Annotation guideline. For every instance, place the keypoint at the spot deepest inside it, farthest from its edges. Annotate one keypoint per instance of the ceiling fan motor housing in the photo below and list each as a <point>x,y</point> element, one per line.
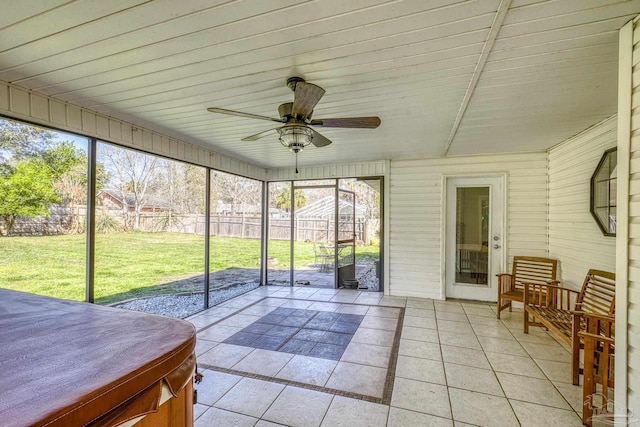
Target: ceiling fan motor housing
<point>285,111</point>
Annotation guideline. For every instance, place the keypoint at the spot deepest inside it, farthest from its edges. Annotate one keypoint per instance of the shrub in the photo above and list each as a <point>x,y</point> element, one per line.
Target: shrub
<point>105,223</point>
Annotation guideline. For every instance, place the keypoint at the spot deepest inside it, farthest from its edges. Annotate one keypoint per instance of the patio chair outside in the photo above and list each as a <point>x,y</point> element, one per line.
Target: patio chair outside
<point>323,257</point>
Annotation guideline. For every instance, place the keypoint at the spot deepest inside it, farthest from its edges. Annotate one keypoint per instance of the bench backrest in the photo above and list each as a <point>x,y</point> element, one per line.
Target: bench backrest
<point>598,293</point>
<point>533,270</point>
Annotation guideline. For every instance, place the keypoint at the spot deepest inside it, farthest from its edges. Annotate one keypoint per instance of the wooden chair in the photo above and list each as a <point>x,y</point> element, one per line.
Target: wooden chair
<point>599,349</point>
<point>525,269</point>
<point>562,310</point>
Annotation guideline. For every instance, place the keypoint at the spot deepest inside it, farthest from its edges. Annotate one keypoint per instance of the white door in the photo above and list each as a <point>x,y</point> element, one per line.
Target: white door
<point>474,237</point>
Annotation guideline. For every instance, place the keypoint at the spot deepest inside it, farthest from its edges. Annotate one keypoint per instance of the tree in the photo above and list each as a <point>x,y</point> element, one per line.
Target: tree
<point>182,185</point>
<point>62,157</point>
<point>282,198</point>
<point>37,171</point>
<point>135,173</point>
<point>19,141</point>
<point>27,191</point>
<point>235,190</point>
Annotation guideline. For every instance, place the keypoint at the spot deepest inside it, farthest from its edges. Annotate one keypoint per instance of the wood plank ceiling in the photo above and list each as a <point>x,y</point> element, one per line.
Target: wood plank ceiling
<point>446,77</point>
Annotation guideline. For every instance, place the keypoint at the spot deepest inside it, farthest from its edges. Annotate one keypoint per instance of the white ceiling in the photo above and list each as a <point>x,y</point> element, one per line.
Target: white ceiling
<point>520,75</point>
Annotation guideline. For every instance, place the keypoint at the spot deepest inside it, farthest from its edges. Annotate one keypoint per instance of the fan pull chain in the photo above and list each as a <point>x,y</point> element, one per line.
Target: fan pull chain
<point>296,162</point>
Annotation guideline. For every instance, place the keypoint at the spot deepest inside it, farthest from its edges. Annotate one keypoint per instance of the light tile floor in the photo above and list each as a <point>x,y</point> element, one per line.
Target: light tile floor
<point>455,365</point>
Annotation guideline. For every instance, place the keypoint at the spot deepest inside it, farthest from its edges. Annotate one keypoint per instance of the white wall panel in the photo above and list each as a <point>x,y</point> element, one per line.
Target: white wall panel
<point>574,237</point>
<point>416,214</point>
<point>351,170</point>
<point>20,104</point>
<point>627,392</point>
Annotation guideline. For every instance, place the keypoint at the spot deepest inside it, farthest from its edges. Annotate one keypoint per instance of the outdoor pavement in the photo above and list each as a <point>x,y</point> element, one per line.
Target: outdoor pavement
<point>388,361</point>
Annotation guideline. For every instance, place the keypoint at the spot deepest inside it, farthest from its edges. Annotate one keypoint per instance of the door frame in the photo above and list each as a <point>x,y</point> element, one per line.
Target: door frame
<point>443,224</point>
<point>383,254</point>
<point>351,269</point>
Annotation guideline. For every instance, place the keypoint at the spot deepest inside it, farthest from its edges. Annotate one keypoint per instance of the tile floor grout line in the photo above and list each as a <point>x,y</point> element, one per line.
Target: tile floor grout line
<point>540,367</point>
<point>387,390</point>
<point>327,411</point>
<point>230,315</point>
<point>552,383</point>
<point>446,381</point>
<point>496,375</point>
<point>543,373</point>
<point>492,370</point>
<point>287,382</point>
<point>270,405</point>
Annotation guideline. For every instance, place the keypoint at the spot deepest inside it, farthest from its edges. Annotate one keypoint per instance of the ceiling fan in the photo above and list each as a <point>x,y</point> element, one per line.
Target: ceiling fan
<point>295,117</point>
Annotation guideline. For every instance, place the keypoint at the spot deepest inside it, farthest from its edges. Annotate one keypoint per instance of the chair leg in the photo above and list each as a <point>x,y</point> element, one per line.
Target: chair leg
<point>526,321</point>
<point>575,363</point>
<point>499,308</point>
<point>510,302</point>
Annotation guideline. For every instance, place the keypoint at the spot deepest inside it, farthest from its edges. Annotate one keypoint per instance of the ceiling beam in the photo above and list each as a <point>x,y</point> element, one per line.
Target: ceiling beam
<point>501,13</point>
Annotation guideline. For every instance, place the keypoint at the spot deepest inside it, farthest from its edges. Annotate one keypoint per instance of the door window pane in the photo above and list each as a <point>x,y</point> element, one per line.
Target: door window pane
<point>472,235</point>
<point>43,176</point>
<point>367,229</point>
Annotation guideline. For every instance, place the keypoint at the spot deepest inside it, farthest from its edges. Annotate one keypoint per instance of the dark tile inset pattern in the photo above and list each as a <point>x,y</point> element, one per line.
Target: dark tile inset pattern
<point>306,332</point>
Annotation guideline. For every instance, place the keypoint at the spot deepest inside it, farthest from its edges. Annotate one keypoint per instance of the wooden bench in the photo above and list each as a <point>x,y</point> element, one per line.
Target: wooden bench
<point>599,350</point>
<point>562,310</point>
<point>525,269</point>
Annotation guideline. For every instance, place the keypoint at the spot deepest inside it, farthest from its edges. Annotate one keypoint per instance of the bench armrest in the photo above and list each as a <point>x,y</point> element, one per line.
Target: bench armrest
<point>592,323</point>
<point>504,274</point>
<point>549,296</point>
<point>602,317</point>
<point>505,282</point>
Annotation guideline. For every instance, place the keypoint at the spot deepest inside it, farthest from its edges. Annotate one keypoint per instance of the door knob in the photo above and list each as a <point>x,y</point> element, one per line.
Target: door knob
<point>496,238</point>
<point>496,246</point>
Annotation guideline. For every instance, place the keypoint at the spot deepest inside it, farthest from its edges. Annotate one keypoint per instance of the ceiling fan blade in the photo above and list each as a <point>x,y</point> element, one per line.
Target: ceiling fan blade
<point>241,114</point>
<point>306,96</point>
<point>349,122</point>
<point>318,140</point>
<point>257,136</point>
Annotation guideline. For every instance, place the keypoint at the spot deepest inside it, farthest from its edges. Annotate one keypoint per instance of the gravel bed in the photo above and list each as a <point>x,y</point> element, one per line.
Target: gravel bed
<point>368,278</point>
<point>181,305</point>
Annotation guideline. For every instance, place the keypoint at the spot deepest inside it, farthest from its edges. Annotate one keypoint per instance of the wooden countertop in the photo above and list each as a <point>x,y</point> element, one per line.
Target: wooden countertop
<point>70,363</point>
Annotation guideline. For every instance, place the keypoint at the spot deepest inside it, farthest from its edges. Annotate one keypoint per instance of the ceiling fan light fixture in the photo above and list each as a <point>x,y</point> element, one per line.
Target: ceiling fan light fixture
<point>295,137</point>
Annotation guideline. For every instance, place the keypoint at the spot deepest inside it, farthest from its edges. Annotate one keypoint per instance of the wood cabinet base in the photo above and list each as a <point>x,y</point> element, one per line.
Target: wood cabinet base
<point>175,412</point>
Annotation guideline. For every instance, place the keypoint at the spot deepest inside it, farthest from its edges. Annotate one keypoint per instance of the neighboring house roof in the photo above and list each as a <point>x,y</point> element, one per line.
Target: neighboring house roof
<point>325,208</point>
<point>128,198</point>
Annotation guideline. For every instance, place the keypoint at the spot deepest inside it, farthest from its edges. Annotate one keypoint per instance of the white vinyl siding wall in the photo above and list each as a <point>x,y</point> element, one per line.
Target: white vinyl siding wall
<point>628,269</point>
<point>415,212</point>
<point>350,170</point>
<point>21,104</point>
<point>574,237</point>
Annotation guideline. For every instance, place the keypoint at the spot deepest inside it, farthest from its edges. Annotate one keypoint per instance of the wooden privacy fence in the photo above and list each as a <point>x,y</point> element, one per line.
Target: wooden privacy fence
<point>69,220</point>
<point>314,230</point>
<point>62,220</point>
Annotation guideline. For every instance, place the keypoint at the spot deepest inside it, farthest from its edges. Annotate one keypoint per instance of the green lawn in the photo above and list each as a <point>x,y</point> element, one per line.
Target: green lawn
<point>130,265</point>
